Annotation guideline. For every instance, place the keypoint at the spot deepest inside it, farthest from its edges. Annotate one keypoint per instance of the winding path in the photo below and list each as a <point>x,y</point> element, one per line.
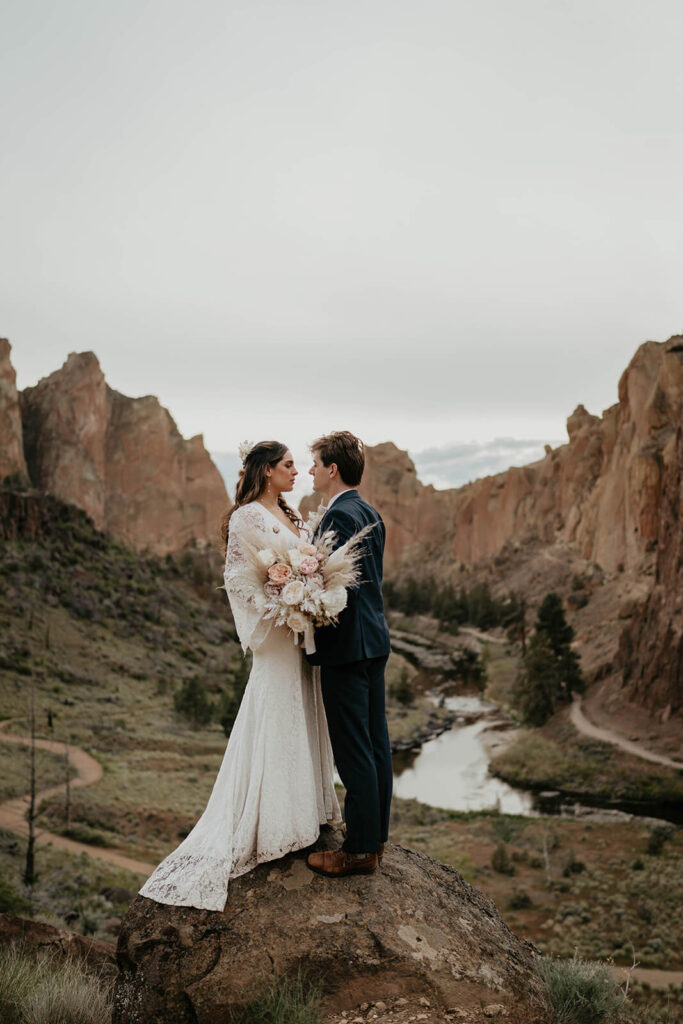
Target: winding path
<point>88,770</point>
<point>580,722</point>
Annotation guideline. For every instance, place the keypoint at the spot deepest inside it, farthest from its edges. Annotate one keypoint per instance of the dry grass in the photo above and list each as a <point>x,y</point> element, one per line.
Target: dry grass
<point>47,990</point>
<point>14,769</point>
<point>579,991</point>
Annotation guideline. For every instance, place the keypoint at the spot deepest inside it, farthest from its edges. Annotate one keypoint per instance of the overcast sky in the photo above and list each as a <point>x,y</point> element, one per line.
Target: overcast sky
<point>439,223</point>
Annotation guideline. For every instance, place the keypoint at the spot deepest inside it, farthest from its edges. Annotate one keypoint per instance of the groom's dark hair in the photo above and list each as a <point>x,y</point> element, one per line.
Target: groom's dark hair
<point>344,449</point>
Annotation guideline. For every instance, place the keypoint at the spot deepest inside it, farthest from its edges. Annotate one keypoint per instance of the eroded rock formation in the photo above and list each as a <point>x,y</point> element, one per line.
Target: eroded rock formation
<point>11,439</point>
<point>603,491</point>
<point>415,927</point>
<point>651,646</point>
<point>120,459</point>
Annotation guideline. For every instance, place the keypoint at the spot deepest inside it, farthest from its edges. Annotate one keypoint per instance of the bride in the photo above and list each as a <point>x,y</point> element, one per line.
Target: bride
<point>275,786</point>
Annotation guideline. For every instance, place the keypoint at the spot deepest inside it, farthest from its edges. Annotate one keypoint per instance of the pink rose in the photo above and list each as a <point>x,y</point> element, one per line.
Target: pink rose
<point>271,589</point>
<point>279,574</point>
<point>308,549</point>
<point>309,565</point>
<point>293,592</point>
<point>315,582</point>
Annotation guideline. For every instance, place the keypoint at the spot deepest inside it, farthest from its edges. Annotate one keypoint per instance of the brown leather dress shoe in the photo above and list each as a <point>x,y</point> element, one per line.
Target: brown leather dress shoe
<point>337,863</point>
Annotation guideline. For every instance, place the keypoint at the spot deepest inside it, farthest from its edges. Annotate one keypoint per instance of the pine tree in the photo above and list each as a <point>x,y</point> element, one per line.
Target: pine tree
<point>536,688</point>
<point>551,621</point>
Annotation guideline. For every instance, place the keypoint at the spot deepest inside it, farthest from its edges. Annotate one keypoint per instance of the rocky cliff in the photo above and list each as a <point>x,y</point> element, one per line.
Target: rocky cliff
<point>11,439</point>
<point>650,655</point>
<point>603,491</point>
<point>120,459</point>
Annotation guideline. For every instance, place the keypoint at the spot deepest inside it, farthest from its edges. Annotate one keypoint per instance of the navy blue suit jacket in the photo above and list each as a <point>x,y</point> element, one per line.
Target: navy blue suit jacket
<point>362,630</point>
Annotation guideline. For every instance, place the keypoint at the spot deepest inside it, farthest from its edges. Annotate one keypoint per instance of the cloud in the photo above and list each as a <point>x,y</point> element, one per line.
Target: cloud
<point>448,466</point>
<point>456,464</point>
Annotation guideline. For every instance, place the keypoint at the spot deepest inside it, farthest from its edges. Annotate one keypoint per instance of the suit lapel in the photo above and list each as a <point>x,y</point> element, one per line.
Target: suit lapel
<point>343,497</point>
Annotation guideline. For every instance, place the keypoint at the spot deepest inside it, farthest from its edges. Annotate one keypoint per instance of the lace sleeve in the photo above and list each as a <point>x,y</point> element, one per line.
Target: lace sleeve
<point>251,627</point>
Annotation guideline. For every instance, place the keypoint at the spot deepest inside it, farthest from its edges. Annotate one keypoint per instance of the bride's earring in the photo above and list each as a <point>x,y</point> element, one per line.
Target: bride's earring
<point>268,488</point>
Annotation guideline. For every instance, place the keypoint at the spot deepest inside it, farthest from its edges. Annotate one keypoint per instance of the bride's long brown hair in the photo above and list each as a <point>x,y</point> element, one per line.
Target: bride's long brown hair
<point>252,482</point>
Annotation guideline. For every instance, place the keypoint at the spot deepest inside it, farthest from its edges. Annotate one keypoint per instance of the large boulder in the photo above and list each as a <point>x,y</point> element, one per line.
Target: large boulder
<point>413,928</point>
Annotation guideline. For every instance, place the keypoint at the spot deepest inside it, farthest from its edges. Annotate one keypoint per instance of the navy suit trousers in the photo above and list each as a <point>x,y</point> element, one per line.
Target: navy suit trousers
<point>353,695</point>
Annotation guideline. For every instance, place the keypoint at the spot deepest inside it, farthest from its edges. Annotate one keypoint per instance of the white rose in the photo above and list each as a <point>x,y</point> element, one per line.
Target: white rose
<point>296,557</point>
<point>334,600</point>
<point>266,557</point>
<point>296,622</point>
<point>293,592</point>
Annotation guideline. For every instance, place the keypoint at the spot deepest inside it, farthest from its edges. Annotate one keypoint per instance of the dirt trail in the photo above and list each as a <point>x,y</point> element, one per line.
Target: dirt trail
<point>580,722</point>
<point>13,812</point>
<point>479,635</point>
<point>653,976</point>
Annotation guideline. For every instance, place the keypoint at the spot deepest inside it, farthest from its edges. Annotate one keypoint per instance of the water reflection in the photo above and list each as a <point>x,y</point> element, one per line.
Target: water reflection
<point>451,771</point>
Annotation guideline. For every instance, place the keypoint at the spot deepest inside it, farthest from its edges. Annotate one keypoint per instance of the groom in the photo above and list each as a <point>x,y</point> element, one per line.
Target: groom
<point>352,656</point>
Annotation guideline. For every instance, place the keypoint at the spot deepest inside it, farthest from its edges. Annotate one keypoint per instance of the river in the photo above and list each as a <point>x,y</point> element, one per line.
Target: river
<point>452,771</point>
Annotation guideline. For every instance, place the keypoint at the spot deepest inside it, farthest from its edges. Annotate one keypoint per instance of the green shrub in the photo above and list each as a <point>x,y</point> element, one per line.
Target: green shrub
<point>573,866</point>
<point>504,827</point>
<point>192,702</point>
<point>84,834</point>
<point>401,691</point>
<point>47,990</point>
<point>520,900</point>
<point>285,1001</point>
<point>659,835</point>
<point>579,991</point>
<point>500,860</point>
<point>11,901</point>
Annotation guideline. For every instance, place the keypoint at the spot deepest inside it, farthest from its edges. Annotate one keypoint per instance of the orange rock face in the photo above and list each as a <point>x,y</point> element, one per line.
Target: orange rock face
<point>602,491</point>
<point>651,646</point>
<point>11,439</point>
<point>120,459</point>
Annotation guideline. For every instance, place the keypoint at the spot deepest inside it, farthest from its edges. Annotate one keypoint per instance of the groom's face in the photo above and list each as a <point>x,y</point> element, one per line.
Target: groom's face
<point>322,475</point>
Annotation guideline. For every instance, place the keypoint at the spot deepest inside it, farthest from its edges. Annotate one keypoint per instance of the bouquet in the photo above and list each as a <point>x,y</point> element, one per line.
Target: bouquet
<point>303,585</point>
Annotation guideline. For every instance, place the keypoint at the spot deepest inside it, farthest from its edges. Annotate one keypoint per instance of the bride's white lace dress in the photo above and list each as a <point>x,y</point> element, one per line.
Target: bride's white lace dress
<point>275,786</point>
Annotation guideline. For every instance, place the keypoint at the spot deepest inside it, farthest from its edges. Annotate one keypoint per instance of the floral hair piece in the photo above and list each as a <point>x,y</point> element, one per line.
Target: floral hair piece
<point>244,449</point>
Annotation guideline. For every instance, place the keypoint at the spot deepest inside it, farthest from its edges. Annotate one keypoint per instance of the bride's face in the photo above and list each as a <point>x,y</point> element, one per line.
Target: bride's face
<point>282,475</point>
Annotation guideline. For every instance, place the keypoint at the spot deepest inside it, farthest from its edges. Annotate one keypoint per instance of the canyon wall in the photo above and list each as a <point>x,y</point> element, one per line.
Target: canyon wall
<point>603,491</point>
<point>650,655</point>
<point>11,439</point>
<point>120,459</point>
